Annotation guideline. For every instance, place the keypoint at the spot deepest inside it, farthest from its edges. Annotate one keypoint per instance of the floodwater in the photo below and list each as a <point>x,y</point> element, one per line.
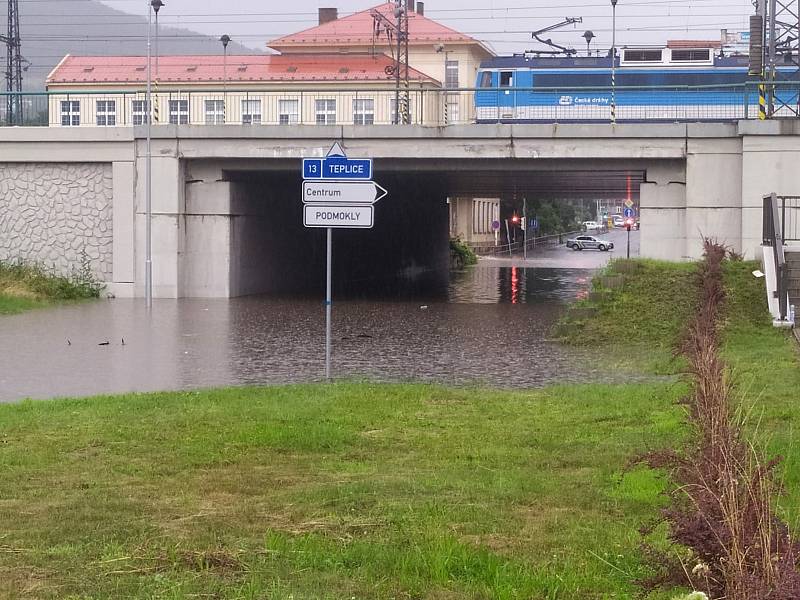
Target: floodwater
<point>492,328</point>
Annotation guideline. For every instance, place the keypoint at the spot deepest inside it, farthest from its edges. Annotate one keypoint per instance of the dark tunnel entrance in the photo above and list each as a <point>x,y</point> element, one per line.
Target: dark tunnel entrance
<point>406,254</point>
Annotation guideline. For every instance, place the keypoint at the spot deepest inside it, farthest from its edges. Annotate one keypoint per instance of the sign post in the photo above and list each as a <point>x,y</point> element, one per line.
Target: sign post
<point>328,300</point>
<point>337,193</point>
<point>524,229</point>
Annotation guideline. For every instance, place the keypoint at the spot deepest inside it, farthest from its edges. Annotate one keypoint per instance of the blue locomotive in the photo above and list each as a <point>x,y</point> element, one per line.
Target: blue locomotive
<point>652,84</point>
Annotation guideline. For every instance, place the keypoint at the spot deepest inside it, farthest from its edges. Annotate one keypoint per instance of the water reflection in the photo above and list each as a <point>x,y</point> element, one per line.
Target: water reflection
<point>492,328</point>
<point>517,285</point>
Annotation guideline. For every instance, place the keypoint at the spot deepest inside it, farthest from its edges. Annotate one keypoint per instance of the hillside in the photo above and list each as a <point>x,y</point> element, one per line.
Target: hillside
<point>52,28</point>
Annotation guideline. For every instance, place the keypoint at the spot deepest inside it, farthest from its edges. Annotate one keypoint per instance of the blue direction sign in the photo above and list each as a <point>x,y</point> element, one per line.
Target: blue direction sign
<point>628,212</point>
<point>337,166</point>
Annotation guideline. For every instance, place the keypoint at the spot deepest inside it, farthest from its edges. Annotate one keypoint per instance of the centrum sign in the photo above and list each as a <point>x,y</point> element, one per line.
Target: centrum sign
<point>365,192</point>
<point>338,216</point>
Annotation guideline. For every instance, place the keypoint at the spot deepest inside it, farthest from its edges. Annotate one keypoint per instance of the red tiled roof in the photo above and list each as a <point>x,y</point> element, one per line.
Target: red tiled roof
<point>356,30</point>
<point>693,44</point>
<point>240,69</point>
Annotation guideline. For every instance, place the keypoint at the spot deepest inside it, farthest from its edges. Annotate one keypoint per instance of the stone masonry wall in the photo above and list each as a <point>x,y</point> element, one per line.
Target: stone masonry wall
<point>51,213</point>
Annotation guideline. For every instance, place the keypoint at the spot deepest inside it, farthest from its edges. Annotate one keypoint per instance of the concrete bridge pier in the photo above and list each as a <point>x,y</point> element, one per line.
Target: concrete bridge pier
<point>770,152</point>
<point>206,261</point>
<point>168,222</point>
<point>662,199</point>
<point>713,193</point>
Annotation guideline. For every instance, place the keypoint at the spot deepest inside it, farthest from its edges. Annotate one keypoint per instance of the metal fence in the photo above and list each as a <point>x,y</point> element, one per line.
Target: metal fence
<point>519,247</point>
<point>433,107</point>
<point>788,222</point>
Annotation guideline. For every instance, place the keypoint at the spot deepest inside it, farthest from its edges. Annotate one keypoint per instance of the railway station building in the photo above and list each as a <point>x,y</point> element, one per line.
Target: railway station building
<point>338,72</point>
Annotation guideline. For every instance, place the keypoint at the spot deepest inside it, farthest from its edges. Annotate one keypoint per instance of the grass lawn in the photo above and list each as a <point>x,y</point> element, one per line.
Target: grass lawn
<point>10,305</point>
<point>372,491</point>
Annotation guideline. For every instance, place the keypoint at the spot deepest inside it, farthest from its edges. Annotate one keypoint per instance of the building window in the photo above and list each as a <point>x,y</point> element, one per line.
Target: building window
<point>364,111</point>
<point>70,113</point>
<point>139,112</point>
<point>179,112</point>
<point>251,112</point>
<point>393,111</point>
<point>288,112</point>
<point>451,74</point>
<point>506,79</point>
<point>215,112</point>
<point>486,79</point>
<point>452,106</point>
<point>107,113</point>
<point>326,112</point>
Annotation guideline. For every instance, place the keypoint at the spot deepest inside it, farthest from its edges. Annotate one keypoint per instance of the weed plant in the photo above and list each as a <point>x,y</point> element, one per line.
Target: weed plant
<point>24,285</point>
<point>463,253</point>
<point>723,505</point>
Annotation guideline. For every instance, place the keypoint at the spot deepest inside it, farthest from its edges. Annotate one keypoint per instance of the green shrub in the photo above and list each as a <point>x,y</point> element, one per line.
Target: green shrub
<point>18,278</point>
<point>462,251</point>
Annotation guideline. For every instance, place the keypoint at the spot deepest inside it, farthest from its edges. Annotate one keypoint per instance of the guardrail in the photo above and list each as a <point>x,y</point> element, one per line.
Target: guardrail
<point>375,106</point>
<point>771,236</point>
<point>789,219</point>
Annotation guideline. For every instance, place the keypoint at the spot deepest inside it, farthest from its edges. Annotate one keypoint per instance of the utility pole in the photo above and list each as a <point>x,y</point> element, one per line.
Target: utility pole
<point>613,61</point>
<point>401,78</point>
<point>397,38</point>
<point>13,66</point>
<point>774,41</point>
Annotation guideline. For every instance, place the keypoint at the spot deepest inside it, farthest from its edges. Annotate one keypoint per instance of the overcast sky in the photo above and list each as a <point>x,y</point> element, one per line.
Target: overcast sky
<point>504,24</point>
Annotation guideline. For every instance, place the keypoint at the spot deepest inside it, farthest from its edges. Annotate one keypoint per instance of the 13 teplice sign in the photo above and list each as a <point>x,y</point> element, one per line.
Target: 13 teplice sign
<point>337,192</point>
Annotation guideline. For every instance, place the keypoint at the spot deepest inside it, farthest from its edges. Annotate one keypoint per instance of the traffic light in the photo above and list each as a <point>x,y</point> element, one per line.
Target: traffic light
<point>515,219</point>
<point>628,224</point>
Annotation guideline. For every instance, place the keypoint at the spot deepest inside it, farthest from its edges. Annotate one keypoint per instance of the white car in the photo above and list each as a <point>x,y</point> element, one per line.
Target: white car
<point>589,241</point>
<point>589,225</point>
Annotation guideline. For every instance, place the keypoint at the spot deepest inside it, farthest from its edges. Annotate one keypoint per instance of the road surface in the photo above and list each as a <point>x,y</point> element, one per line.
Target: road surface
<point>562,257</point>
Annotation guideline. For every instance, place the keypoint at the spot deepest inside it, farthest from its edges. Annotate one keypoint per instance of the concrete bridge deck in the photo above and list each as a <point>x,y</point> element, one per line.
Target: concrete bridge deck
<point>226,198</point>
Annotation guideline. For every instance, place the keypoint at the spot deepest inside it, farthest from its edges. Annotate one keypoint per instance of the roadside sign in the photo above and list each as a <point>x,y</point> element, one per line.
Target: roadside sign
<point>495,225</point>
<point>337,193</point>
<point>629,203</point>
<point>353,192</point>
<point>628,212</point>
<point>337,167</point>
<point>534,223</point>
<point>340,216</point>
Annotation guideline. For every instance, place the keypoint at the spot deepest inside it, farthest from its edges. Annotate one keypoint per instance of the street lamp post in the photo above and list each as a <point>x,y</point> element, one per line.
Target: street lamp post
<point>152,6</point>
<point>156,4</point>
<point>588,36</point>
<point>613,61</point>
<point>225,39</point>
<point>148,260</point>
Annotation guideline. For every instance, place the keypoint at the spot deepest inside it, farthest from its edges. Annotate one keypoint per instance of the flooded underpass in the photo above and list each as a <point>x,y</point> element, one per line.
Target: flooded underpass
<point>492,327</point>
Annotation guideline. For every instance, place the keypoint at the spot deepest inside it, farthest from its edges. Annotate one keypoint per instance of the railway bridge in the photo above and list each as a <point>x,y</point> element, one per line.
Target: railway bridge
<point>227,213</point>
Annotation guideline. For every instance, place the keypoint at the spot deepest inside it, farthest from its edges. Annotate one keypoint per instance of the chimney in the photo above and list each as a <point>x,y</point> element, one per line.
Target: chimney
<point>411,7</point>
<point>326,15</point>
<point>421,8</point>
